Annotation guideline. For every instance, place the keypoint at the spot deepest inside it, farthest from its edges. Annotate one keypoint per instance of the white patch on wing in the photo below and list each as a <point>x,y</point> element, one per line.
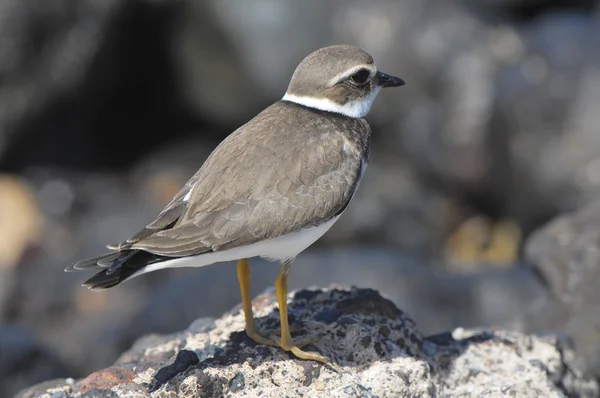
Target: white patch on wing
<point>187,195</point>
<point>348,145</point>
<point>278,249</point>
<point>358,108</point>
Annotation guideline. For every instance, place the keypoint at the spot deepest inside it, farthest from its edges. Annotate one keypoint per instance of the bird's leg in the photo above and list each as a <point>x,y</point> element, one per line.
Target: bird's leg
<point>286,342</point>
<point>266,337</point>
<point>258,336</point>
<point>243,270</point>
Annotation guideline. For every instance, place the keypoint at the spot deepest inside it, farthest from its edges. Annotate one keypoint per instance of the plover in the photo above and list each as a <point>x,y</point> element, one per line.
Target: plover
<point>270,189</point>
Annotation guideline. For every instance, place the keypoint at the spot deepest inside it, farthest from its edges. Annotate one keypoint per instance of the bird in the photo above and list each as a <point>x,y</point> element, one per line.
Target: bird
<point>270,189</point>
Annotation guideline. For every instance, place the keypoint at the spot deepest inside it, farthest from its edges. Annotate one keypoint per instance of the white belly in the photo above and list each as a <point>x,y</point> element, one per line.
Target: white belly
<point>278,249</point>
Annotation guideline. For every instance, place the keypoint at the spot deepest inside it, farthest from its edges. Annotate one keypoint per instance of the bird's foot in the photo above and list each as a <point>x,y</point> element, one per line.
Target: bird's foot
<point>269,337</point>
<point>265,337</point>
<point>296,348</point>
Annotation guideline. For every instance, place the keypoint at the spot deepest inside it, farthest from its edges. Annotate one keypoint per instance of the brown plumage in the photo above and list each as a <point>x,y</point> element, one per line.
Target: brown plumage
<point>247,192</point>
<point>268,193</point>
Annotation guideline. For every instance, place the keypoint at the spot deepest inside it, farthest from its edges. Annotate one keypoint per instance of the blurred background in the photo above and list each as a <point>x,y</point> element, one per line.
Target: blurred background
<point>108,106</point>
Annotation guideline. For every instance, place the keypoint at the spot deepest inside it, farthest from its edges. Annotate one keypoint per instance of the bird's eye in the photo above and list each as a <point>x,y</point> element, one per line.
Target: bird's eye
<point>360,77</point>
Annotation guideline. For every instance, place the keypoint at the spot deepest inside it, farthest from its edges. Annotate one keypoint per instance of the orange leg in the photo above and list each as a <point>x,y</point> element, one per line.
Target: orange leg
<point>243,270</point>
<point>286,342</point>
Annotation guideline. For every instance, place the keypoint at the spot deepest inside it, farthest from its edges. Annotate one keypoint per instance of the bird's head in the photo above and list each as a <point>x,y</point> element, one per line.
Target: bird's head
<point>341,79</point>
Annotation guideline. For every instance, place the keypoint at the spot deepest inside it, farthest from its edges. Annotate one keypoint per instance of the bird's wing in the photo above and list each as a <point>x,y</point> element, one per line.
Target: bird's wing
<point>167,218</point>
<point>247,191</point>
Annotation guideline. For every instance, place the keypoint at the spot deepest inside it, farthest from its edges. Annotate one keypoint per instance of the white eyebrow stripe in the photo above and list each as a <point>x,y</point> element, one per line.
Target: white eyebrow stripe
<point>342,76</point>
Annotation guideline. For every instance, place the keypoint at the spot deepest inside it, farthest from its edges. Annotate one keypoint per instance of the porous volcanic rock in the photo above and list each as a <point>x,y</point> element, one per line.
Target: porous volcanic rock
<point>375,348</point>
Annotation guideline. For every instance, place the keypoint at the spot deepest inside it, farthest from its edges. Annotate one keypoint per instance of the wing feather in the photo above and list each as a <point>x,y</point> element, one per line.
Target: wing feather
<point>247,191</point>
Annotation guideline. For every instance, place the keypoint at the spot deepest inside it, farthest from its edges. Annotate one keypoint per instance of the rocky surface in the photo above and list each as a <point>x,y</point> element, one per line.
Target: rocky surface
<point>377,349</point>
<point>566,254</point>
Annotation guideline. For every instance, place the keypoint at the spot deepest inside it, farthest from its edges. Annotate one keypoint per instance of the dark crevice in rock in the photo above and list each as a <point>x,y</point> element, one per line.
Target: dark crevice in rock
<point>184,360</point>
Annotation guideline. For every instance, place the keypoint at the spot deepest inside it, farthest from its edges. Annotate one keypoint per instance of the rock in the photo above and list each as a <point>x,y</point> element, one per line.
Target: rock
<point>24,361</point>
<point>566,254</point>
<point>479,242</point>
<point>529,9</point>
<point>20,229</point>
<point>96,56</point>
<point>41,293</point>
<point>20,220</point>
<point>497,363</point>
<point>106,379</point>
<point>57,388</point>
<point>547,101</point>
<point>377,347</point>
<point>62,35</point>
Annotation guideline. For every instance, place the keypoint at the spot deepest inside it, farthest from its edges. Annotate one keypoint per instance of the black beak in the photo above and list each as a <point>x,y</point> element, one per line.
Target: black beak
<point>385,80</point>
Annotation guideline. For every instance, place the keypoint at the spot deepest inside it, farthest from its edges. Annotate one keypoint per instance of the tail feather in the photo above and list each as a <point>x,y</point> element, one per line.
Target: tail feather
<point>104,280</point>
<point>118,262</point>
<point>115,267</point>
<point>108,260</point>
<point>92,263</point>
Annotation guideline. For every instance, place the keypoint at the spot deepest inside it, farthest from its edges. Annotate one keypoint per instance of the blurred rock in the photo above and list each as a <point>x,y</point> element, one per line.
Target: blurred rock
<point>20,220</point>
<point>214,79</point>
<point>107,81</point>
<point>45,299</point>
<point>20,228</point>
<point>566,254</point>
<point>531,9</point>
<point>23,361</point>
<point>501,119</point>
<point>479,242</point>
<point>377,348</point>
<point>61,35</point>
<point>547,101</point>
